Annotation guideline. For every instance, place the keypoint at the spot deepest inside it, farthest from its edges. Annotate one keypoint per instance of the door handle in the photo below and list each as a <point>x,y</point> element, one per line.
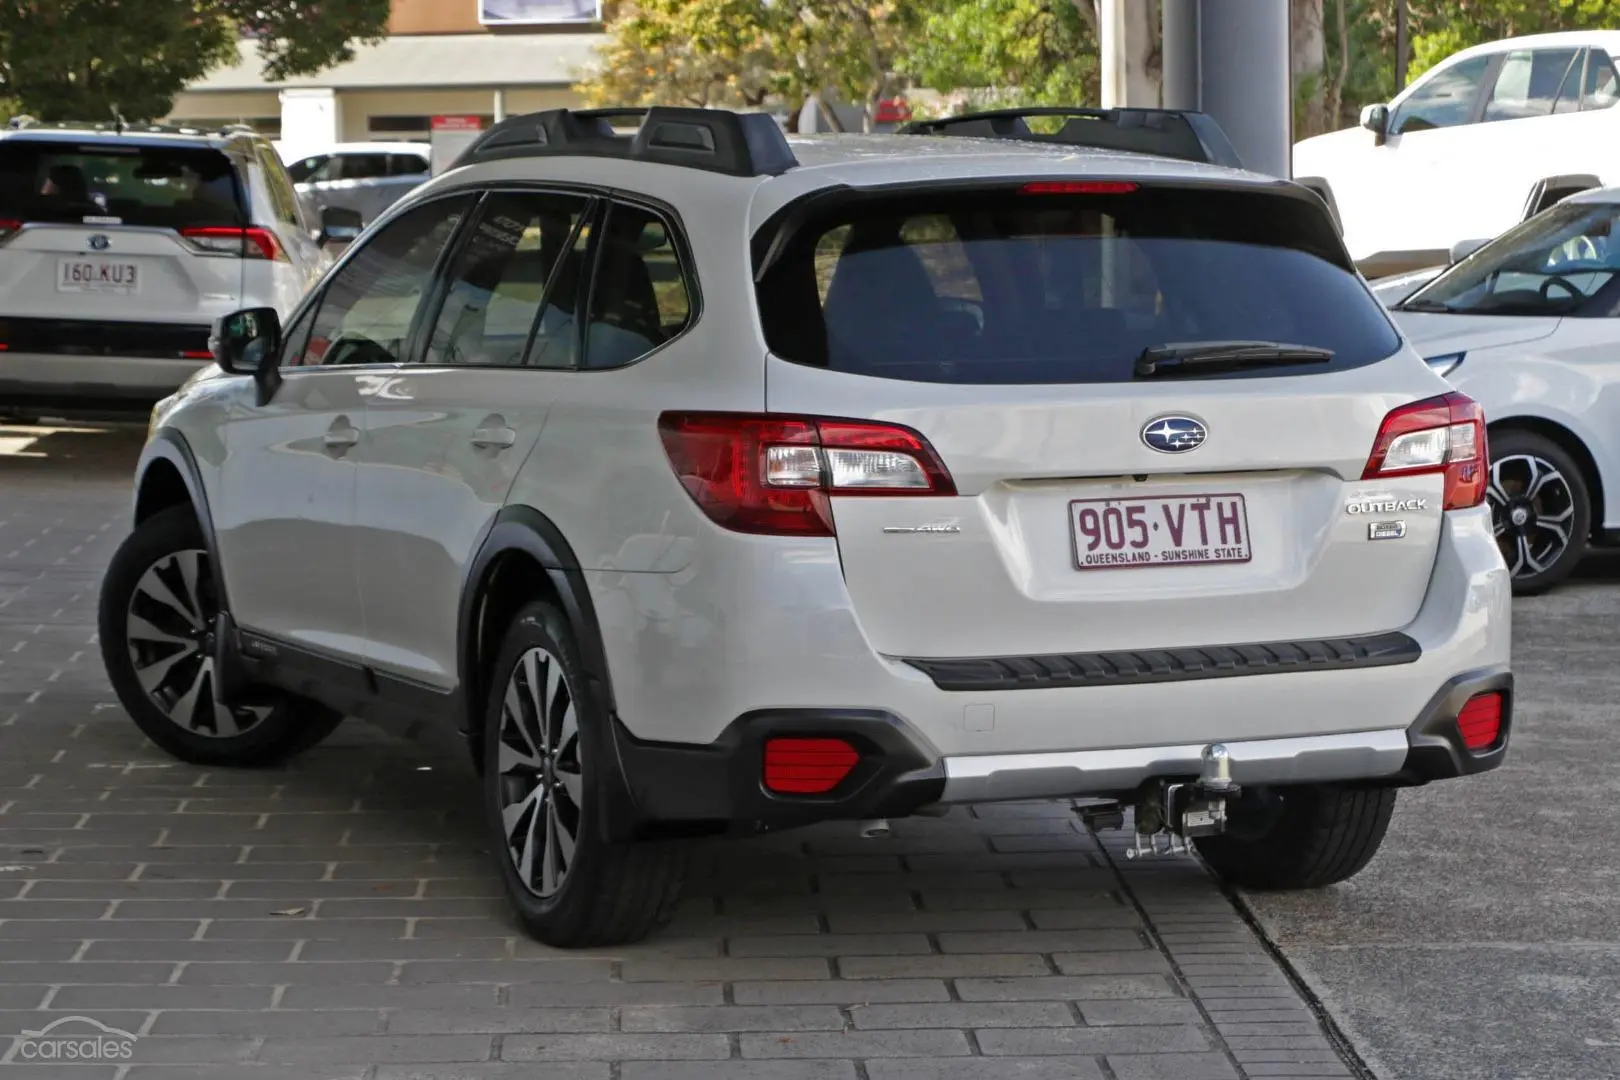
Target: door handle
<point>341,435</point>
<point>494,438</point>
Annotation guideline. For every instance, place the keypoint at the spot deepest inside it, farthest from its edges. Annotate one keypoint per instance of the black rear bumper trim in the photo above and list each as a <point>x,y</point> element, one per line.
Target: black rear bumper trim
<point>1436,750</point>
<point>1140,666</point>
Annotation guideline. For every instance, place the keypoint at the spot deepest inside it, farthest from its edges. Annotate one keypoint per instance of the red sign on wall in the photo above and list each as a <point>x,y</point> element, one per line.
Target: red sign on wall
<point>457,123</point>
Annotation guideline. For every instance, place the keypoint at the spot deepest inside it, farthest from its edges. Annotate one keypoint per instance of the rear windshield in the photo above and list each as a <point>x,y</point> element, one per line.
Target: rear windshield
<point>1012,288</point>
<point>107,184</point>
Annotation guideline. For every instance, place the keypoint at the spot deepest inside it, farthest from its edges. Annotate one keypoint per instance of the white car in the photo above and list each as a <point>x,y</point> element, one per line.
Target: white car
<point>1528,327</point>
<point>121,246</point>
<point>1487,138</point>
<point>709,482</point>
<point>366,177</point>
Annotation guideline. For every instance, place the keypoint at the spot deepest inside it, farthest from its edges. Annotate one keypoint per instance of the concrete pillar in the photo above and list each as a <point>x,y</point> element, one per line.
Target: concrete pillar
<point>500,105</point>
<point>310,120</point>
<point>1126,31</point>
<point>1231,59</point>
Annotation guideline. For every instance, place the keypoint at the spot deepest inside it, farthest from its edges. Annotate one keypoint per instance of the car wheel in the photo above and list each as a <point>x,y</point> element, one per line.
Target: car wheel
<point>1540,509</point>
<point>545,747</point>
<point>158,617</point>
<point>1304,837</point>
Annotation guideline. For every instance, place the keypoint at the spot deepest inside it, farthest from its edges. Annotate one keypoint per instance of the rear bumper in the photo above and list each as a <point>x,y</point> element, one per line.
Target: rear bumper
<point>114,384</point>
<point>720,785</point>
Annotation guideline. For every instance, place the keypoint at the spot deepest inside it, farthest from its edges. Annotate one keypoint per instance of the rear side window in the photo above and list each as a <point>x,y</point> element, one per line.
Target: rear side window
<point>159,186</point>
<point>407,165</point>
<point>1056,288</point>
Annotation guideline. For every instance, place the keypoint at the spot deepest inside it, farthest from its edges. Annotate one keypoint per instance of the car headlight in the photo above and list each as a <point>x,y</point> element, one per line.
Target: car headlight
<point>1445,364</point>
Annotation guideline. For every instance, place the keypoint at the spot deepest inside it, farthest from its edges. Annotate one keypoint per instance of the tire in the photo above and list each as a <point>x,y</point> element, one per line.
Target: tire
<point>602,892</point>
<point>1540,507</point>
<point>158,655</point>
<point>1304,837</point>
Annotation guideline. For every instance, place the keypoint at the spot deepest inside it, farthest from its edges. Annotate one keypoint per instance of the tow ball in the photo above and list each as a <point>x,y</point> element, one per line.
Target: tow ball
<point>1170,814</point>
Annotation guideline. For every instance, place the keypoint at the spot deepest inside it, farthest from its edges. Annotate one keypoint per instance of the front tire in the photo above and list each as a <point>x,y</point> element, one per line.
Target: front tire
<point>545,746</point>
<point>1540,508</point>
<point>1304,837</point>
<point>157,621</point>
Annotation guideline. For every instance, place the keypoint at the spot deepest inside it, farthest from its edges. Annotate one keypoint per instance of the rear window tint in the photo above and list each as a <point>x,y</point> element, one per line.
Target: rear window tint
<point>1010,288</point>
<point>171,187</point>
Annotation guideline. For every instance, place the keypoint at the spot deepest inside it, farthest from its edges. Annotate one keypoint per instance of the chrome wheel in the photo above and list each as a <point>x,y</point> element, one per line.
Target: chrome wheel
<point>1532,511</point>
<point>170,626</point>
<point>539,772</point>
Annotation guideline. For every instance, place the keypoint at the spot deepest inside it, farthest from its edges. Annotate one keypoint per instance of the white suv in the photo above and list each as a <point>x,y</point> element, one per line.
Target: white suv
<point>710,481</point>
<point>119,248</point>
<point>1487,138</point>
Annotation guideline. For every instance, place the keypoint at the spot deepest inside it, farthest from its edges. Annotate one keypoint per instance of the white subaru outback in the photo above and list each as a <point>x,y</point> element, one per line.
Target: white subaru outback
<point>714,481</point>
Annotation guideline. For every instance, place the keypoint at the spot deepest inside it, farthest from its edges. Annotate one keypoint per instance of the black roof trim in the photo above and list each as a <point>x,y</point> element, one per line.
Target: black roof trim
<point>1173,133</point>
<point>714,140</point>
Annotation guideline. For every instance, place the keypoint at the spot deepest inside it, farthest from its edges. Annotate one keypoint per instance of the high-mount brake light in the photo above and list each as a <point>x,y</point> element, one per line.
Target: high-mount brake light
<point>1079,187</point>
<point>1443,435</point>
<point>252,242</point>
<point>774,475</point>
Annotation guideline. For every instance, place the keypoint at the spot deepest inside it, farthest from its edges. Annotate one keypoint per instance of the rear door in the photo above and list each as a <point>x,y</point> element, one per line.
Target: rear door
<point>1096,509</point>
<point>121,231</point>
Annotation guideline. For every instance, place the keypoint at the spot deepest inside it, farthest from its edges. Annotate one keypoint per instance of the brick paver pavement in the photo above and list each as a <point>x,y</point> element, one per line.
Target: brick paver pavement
<point>337,918</point>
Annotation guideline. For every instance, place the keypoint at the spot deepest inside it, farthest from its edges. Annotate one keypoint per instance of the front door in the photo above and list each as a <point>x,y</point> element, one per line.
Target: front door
<point>450,431</point>
<point>287,483</point>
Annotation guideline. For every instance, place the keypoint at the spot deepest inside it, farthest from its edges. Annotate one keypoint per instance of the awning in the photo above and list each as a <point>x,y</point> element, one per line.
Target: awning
<point>429,61</point>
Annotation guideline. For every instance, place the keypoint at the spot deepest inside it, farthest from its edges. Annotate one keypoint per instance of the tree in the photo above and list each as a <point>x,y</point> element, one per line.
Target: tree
<point>681,52</point>
<point>1008,52</point>
<point>84,59</point>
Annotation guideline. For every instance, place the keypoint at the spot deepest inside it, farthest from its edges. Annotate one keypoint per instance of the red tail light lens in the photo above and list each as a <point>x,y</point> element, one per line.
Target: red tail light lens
<point>773,474</point>
<point>1079,187</point>
<point>8,226</point>
<point>1444,435</point>
<point>249,243</point>
<point>807,766</point>
<point>1480,721</point>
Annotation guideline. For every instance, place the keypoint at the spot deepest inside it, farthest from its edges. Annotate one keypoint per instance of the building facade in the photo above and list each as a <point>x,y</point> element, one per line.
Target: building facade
<point>463,58</point>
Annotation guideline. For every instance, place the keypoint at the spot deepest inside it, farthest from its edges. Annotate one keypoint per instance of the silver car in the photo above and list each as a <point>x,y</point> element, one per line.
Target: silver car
<point>367,178</point>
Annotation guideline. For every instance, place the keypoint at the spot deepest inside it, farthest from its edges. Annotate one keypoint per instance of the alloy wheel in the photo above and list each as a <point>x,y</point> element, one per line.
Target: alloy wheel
<point>170,626</point>
<point>1532,512</point>
<point>540,772</point>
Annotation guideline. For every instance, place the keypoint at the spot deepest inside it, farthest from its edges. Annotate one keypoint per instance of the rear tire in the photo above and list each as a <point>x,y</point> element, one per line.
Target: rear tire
<point>1304,837</point>
<point>156,625</point>
<point>546,745</point>
<point>1540,508</point>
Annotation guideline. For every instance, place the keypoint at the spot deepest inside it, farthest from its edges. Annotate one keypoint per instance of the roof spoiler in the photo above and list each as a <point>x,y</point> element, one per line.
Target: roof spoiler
<point>1173,133</point>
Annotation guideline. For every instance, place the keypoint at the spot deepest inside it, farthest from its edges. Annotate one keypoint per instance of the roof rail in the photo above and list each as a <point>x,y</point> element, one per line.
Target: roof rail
<point>238,128</point>
<point>1175,133</point>
<point>715,140</point>
<point>17,123</point>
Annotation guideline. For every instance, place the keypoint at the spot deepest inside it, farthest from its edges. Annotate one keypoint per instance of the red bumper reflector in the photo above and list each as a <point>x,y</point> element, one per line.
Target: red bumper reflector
<point>807,766</point>
<point>1480,721</point>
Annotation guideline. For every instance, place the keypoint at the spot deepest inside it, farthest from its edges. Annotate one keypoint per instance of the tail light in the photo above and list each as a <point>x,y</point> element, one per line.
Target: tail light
<point>774,474</point>
<point>807,766</point>
<point>1480,721</point>
<point>7,227</point>
<point>252,242</point>
<point>1443,435</point>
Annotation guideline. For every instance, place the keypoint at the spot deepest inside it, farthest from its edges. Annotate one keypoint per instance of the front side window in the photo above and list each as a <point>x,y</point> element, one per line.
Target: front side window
<point>1529,81</point>
<point>499,283</point>
<point>1013,288</point>
<point>640,295</point>
<point>1549,265</point>
<point>1602,84</point>
<point>1445,99</point>
<point>368,303</point>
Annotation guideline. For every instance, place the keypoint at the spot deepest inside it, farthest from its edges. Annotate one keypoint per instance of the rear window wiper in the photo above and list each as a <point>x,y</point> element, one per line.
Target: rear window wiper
<point>1207,357</point>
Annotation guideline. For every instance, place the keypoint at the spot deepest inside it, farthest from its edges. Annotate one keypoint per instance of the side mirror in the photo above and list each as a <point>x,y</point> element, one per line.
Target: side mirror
<point>1375,118</point>
<point>248,342</point>
<point>339,225</point>
<point>1464,248</point>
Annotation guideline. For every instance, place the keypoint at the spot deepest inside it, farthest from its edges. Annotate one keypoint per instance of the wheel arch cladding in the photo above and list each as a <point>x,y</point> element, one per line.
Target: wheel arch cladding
<point>168,478</point>
<point>1571,444</point>
<point>525,557</point>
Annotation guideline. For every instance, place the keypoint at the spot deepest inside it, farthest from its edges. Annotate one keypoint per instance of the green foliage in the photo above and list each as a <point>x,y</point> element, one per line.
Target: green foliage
<point>1031,52</point>
<point>83,59</point>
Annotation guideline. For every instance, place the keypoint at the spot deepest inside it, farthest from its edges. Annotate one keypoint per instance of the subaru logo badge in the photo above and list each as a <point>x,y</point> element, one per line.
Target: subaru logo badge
<point>1173,434</point>
<point>99,242</point>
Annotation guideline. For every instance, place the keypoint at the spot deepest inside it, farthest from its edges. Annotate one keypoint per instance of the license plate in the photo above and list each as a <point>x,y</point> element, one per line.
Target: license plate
<point>97,275</point>
<point>1159,530</point>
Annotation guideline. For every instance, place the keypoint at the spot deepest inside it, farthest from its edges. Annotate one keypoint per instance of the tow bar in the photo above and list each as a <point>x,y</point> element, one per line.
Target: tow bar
<point>1170,814</point>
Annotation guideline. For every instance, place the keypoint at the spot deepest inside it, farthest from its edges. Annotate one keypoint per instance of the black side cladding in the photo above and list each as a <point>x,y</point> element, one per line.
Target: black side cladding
<point>714,140</point>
